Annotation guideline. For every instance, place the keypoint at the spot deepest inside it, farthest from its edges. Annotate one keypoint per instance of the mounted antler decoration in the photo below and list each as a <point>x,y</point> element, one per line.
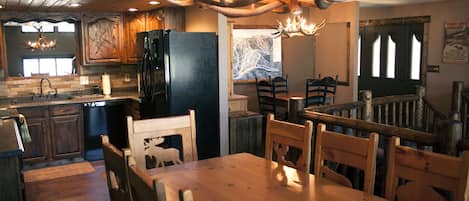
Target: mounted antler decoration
<point>241,8</point>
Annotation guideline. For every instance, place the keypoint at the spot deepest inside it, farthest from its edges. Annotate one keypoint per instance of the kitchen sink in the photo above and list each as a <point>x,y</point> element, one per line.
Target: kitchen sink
<point>32,99</point>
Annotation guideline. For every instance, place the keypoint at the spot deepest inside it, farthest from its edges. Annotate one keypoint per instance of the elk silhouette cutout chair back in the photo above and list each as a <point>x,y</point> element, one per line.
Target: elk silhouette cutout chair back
<point>281,135</point>
<point>416,175</point>
<point>346,150</point>
<point>115,162</point>
<point>145,136</point>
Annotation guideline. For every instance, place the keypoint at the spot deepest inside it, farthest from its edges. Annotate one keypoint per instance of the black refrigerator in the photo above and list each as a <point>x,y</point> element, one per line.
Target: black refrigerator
<point>179,71</point>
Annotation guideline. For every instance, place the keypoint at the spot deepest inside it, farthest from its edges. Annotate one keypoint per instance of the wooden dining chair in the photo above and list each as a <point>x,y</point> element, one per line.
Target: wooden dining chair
<point>185,195</point>
<point>115,162</point>
<point>267,93</point>
<point>347,150</point>
<point>281,135</point>
<point>318,91</point>
<point>146,137</point>
<point>421,176</point>
<point>143,187</point>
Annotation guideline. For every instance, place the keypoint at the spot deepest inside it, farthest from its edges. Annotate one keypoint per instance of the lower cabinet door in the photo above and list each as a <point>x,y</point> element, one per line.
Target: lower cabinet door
<point>37,150</point>
<point>66,136</point>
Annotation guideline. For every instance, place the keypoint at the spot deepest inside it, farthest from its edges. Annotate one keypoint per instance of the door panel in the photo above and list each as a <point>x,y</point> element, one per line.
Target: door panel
<point>66,136</point>
<point>401,35</point>
<point>36,151</point>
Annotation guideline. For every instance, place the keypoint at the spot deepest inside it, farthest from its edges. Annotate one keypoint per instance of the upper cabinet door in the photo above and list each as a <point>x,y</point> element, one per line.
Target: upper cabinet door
<point>102,39</point>
<point>154,20</point>
<point>174,18</point>
<point>134,23</point>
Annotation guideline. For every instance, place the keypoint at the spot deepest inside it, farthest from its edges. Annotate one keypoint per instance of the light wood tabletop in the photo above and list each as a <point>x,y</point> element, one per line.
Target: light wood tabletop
<point>245,177</point>
<point>286,97</point>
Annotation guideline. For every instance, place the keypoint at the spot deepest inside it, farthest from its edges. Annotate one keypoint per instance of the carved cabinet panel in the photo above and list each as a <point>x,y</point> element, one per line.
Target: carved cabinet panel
<point>102,38</point>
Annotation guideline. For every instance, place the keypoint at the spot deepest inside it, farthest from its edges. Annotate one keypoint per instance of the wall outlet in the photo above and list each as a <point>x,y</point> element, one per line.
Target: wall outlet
<point>84,80</point>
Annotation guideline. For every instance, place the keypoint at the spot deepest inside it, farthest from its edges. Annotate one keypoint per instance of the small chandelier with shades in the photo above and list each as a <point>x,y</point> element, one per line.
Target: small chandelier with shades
<point>41,43</point>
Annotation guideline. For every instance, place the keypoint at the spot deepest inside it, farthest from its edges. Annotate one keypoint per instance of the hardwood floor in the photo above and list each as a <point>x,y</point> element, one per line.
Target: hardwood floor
<point>86,187</point>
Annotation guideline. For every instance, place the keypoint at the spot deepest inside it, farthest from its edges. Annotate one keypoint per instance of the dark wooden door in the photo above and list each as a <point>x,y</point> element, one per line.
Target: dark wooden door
<point>390,59</point>
<point>37,150</point>
<point>66,136</point>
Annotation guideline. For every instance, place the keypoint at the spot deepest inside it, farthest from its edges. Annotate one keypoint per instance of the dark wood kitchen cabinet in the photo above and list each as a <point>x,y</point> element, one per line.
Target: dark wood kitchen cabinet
<point>102,36</point>
<point>66,130</point>
<point>36,151</point>
<point>56,132</point>
<point>38,125</point>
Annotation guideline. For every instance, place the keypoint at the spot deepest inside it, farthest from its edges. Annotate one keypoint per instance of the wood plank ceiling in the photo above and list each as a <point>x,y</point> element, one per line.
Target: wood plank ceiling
<point>86,5</point>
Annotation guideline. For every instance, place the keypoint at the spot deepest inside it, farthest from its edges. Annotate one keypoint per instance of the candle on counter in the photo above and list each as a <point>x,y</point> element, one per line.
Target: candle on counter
<point>106,84</point>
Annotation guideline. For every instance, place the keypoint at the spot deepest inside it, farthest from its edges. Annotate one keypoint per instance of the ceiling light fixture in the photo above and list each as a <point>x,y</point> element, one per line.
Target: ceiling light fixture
<point>74,5</point>
<point>41,42</point>
<point>132,10</point>
<point>1,6</point>
<point>297,26</point>
<point>154,2</point>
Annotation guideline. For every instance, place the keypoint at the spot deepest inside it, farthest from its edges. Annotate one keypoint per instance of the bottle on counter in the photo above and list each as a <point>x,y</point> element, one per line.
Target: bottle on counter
<point>106,78</point>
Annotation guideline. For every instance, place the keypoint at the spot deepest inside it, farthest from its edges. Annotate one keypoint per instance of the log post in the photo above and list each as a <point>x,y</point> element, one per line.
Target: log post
<point>449,133</point>
<point>367,111</point>
<point>420,106</point>
<point>295,109</point>
<point>456,100</point>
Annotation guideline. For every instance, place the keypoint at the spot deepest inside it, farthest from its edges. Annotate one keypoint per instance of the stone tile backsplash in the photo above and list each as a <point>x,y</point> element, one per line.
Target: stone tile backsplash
<point>64,84</point>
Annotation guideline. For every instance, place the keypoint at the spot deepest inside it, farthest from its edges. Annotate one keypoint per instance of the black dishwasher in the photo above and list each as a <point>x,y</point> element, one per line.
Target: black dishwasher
<point>104,117</point>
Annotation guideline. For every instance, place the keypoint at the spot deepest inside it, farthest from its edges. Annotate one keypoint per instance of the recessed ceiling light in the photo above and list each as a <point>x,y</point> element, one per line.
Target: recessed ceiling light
<point>154,2</point>
<point>74,5</point>
<point>132,10</point>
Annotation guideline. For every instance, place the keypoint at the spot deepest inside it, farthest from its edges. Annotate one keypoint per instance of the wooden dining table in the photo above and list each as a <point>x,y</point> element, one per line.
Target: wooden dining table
<point>245,177</point>
<point>286,96</point>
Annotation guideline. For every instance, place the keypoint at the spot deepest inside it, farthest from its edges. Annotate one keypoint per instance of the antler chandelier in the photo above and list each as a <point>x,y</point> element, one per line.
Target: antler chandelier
<point>297,26</point>
<point>241,8</point>
<point>41,42</point>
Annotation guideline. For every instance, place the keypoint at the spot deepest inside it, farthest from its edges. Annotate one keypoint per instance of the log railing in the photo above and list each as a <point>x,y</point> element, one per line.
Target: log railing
<point>465,114</point>
<point>407,111</point>
<point>402,116</point>
<point>460,111</point>
<point>362,126</point>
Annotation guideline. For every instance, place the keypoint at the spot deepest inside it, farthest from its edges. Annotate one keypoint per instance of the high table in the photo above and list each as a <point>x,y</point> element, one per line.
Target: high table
<point>245,177</point>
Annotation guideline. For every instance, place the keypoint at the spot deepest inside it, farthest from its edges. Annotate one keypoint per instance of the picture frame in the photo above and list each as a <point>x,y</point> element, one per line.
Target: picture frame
<point>456,43</point>
<point>256,53</point>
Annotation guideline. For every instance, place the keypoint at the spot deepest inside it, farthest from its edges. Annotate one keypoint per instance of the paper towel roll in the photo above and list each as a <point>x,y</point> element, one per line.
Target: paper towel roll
<point>106,84</point>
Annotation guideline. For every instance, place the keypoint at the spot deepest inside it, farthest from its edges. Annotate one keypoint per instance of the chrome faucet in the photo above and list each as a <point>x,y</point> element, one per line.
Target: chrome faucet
<point>41,94</point>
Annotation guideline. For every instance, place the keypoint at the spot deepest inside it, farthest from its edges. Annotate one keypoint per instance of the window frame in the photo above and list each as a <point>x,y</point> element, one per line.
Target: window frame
<point>55,57</point>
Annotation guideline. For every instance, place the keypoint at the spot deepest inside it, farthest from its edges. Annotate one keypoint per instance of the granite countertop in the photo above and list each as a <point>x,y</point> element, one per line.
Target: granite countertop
<point>21,102</point>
